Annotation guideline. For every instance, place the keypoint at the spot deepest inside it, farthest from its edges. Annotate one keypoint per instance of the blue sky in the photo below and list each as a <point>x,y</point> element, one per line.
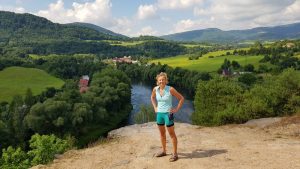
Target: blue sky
<point>160,17</point>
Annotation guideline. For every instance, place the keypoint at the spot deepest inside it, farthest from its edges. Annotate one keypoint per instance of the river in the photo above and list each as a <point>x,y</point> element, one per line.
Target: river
<point>141,93</point>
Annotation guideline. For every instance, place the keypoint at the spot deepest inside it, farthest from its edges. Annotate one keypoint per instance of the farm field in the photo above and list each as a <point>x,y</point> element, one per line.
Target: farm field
<point>205,63</point>
<point>16,80</point>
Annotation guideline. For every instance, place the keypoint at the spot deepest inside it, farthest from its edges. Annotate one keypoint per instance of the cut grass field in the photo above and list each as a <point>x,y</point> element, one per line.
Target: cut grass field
<point>207,64</point>
<point>16,80</point>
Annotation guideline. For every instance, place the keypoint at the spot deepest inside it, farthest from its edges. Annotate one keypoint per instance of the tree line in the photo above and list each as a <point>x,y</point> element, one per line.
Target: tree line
<point>181,78</point>
<point>226,100</point>
<point>65,112</point>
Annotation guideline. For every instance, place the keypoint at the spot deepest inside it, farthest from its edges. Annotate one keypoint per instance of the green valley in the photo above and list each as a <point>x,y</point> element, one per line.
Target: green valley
<point>16,80</point>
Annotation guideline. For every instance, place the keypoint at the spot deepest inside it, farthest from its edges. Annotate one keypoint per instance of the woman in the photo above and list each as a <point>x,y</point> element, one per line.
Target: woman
<point>162,103</point>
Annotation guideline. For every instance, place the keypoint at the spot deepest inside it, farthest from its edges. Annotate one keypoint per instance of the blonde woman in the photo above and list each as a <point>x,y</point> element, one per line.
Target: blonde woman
<point>161,99</point>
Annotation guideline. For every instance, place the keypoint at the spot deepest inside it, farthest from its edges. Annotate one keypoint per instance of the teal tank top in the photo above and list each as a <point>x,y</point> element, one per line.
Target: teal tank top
<point>164,103</point>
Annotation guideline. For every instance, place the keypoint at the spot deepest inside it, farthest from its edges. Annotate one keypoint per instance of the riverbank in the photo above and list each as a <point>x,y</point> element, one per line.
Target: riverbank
<point>274,146</point>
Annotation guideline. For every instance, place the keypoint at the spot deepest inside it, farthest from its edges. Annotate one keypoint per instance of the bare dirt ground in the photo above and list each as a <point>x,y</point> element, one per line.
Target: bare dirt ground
<point>259,144</point>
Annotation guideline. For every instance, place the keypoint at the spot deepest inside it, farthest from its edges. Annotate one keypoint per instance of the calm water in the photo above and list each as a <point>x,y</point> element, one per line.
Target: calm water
<point>141,93</point>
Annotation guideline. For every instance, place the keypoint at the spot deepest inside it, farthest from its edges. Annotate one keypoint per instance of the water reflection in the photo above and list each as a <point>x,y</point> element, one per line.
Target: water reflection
<point>141,93</point>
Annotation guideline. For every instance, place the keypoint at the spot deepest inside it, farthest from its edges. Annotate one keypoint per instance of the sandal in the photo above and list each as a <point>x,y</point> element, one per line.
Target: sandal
<point>173,158</point>
<point>160,154</point>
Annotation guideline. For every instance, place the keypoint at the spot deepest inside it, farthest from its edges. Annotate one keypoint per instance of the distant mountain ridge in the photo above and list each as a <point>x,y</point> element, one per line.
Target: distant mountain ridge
<point>27,27</point>
<point>97,28</point>
<point>290,31</point>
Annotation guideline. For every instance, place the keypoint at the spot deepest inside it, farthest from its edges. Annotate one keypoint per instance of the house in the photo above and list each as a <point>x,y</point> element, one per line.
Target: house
<point>226,72</point>
<point>83,83</point>
<point>124,59</point>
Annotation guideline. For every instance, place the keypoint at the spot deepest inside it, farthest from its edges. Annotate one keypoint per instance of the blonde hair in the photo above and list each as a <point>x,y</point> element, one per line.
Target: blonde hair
<point>162,74</point>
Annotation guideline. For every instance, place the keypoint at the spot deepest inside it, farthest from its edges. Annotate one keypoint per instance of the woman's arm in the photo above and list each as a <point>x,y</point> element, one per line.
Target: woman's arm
<point>179,97</point>
<point>153,100</point>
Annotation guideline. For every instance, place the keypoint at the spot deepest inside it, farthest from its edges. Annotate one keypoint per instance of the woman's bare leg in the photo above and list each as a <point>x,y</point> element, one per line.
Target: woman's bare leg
<point>162,131</point>
<point>174,138</point>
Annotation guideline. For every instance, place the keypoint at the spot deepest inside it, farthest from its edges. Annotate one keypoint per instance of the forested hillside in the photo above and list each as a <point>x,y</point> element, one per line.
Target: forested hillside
<point>23,34</point>
<point>215,35</point>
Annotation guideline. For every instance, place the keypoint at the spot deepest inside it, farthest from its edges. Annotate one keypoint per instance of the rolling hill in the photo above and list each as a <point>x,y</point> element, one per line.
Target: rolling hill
<point>20,28</point>
<point>214,35</point>
<point>16,80</point>
<point>97,28</point>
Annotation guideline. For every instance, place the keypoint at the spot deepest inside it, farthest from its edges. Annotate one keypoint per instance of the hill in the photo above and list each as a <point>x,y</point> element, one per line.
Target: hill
<point>233,146</point>
<point>97,28</point>
<point>21,28</point>
<point>16,80</point>
<point>290,31</point>
<point>24,34</point>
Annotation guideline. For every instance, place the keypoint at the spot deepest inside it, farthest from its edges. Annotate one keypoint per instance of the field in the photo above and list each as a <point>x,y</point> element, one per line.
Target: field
<point>16,80</point>
<point>124,43</point>
<point>53,56</point>
<point>205,63</point>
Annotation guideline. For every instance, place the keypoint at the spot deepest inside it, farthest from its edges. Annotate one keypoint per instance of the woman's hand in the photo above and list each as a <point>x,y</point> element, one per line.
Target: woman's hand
<point>174,110</point>
<point>155,109</point>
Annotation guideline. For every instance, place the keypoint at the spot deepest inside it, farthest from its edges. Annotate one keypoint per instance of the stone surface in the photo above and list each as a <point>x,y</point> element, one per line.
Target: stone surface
<point>227,147</point>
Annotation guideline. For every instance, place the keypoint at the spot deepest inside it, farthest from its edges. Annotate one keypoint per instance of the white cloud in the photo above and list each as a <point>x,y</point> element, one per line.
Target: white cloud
<point>122,26</point>
<point>292,12</point>
<point>146,12</point>
<point>237,14</point>
<point>148,30</point>
<point>12,9</point>
<point>185,25</point>
<point>177,4</point>
<point>97,12</point>
<point>199,11</point>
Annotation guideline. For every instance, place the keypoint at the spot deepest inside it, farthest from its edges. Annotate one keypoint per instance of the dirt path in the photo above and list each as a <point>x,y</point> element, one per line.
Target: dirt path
<point>226,147</point>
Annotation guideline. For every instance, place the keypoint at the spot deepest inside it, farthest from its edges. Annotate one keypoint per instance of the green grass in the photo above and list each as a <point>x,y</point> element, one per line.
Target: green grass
<point>195,45</point>
<point>52,56</point>
<point>16,80</point>
<point>123,43</point>
<point>207,64</point>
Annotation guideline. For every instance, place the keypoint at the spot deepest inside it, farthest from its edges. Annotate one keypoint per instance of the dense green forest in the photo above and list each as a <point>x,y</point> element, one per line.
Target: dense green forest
<point>23,34</point>
<point>64,117</point>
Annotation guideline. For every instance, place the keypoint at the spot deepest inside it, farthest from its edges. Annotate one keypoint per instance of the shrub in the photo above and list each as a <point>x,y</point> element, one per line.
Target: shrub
<point>44,147</point>
<point>146,114</point>
<point>14,159</point>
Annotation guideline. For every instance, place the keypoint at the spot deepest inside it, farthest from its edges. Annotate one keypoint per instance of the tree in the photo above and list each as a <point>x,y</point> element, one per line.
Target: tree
<point>226,64</point>
<point>29,98</point>
<point>212,98</point>
<point>247,78</point>
<point>235,64</point>
<point>249,68</point>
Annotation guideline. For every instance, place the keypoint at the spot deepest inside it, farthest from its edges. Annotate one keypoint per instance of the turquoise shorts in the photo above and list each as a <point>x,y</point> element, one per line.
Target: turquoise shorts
<point>163,118</point>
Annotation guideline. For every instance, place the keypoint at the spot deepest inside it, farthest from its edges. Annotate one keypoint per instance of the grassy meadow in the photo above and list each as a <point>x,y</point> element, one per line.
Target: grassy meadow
<point>205,63</point>
<point>16,80</point>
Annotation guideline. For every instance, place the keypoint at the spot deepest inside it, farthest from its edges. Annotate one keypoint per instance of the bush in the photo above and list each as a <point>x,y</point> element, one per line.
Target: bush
<point>14,159</point>
<point>249,68</point>
<point>247,78</point>
<point>233,114</point>
<point>44,147</point>
<point>222,101</point>
<point>212,98</point>
<point>146,114</point>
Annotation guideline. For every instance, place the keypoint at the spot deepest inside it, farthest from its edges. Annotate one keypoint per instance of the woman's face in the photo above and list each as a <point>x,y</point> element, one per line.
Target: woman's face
<point>162,81</point>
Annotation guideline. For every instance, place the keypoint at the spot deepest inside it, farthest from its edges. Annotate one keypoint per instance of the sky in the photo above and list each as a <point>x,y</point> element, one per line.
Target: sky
<point>161,17</point>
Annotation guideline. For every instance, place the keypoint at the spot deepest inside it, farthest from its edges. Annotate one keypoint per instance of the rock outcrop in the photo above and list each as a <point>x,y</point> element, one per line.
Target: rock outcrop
<point>249,146</point>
